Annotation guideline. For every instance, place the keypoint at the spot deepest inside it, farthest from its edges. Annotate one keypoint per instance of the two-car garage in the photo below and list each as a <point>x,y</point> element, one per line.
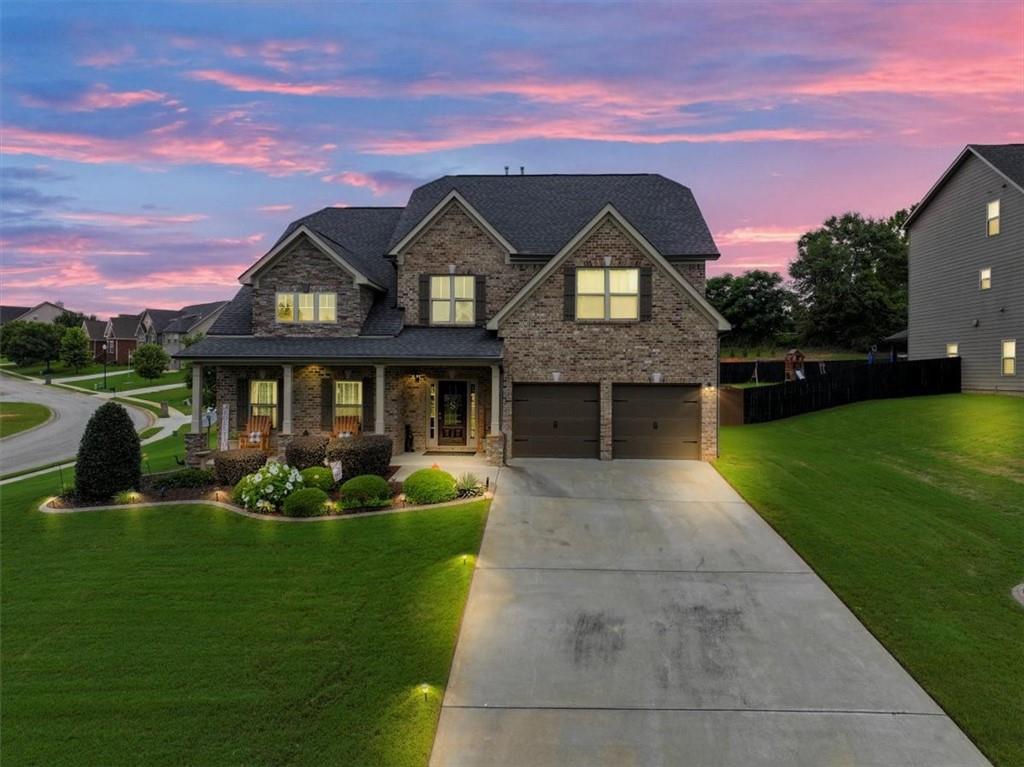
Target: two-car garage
<point>563,420</point>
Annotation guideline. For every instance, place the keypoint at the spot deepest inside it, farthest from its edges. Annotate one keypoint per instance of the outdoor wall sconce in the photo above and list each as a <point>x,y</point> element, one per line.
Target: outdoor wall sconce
<point>655,377</point>
<point>451,268</point>
<point>607,260</point>
<point>556,376</point>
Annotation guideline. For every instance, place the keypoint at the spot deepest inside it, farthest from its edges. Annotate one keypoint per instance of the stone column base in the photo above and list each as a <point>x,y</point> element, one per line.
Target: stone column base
<point>195,449</point>
<point>494,448</point>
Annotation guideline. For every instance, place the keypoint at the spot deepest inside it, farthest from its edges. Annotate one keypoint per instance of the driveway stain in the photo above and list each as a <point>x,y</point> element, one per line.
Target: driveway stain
<point>596,638</point>
<point>696,634</point>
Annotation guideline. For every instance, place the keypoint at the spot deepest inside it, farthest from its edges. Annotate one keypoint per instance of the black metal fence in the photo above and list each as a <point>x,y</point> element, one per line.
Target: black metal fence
<point>774,370</point>
<point>878,381</point>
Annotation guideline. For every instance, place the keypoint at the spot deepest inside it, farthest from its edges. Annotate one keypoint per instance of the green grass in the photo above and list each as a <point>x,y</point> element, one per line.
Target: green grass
<point>764,353</point>
<point>133,380</point>
<point>174,397</point>
<point>60,370</point>
<point>18,416</point>
<point>191,635</point>
<point>912,510</point>
<point>148,432</point>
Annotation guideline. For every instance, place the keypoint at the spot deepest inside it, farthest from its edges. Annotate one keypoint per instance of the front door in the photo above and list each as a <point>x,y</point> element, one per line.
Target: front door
<point>453,410</point>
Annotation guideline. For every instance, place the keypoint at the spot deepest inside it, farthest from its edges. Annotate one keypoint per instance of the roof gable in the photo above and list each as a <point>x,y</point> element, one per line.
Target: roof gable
<point>452,198</point>
<point>330,248</point>
<point>581,236</point>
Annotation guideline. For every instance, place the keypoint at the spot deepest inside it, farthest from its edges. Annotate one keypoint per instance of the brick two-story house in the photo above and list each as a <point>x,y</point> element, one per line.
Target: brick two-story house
<point>554,315</point>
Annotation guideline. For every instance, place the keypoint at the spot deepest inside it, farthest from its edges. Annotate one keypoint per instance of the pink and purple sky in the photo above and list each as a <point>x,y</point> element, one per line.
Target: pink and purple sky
<point>152,152</point>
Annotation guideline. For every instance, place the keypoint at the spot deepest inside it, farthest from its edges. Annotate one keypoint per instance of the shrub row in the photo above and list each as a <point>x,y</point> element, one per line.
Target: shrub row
<point>307,451</point>
<point>229,466</point>
<point>367,454</point>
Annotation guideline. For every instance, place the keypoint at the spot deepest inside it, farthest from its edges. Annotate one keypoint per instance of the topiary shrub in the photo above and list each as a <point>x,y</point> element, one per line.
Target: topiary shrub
<point>365,492</point>
<point>307,502</point>
<point>229,466</point>
<point>368,454</point>
<point>429,486</point>
<point>109,457</point>
<point>318,476</point>
<point>184,478</point>
<point>303,452</point>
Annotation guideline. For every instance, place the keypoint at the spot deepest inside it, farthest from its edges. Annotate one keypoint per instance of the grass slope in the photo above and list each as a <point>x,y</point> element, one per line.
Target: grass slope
<point>18,416</point>
<point>130,381</point>
<point>191,635</point>
<point>913,511</point>
<point>174,397</point>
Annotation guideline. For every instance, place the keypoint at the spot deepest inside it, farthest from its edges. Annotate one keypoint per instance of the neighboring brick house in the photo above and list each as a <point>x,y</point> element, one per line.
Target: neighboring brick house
<point>966,268</point>
<point>120,338</point>
<point>520,316</point>
<point>96,332</point>
<point>169,327</point>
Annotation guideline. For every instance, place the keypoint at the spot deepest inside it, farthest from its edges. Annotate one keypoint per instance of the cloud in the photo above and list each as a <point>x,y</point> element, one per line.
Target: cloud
<point>379,183</point>
<point>274,208</point>
<point>256,84</point>
<point>108,56</point>
<point>12,194</point>
<point>35,173</point>
<point>757,235</point>
<point>130,219</point>
<point>288,55</point>
<point>100,97</point>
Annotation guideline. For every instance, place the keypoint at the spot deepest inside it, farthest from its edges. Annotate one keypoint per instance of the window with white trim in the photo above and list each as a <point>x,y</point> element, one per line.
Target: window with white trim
<point>952,350</point>
<point>985,279</point>
<point>607,294</point>
<point>306,307</point>
<point>348,399</point>
<point>992,225</point>
<point>1010,357</point>
<point>452,299</point>
<point>263,399</point>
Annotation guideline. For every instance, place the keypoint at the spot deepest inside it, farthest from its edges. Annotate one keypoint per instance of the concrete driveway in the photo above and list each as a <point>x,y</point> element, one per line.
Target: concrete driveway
<point>640,613</point>
<point>58,439</point>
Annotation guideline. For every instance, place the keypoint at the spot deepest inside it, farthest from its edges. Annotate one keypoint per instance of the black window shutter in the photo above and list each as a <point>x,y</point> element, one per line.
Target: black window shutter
<point>369,391</point>
<point>242,416</point>
<point>481,299</point>
<point>646,294</point>
<point>280,403</point>
<point>424,299</point>
<point>327,404</point>
<point>570,293</point>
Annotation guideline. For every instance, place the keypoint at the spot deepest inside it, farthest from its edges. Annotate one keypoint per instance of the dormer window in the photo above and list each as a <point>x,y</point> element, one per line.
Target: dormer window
<point>452,299</point>
<point>306,307</point>
<point>993,218</point>
<point>985,279</point>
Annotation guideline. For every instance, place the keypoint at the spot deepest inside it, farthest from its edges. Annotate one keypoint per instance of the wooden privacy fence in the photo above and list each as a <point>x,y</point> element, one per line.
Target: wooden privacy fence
<point>774,370</point>
<point>879,381</point>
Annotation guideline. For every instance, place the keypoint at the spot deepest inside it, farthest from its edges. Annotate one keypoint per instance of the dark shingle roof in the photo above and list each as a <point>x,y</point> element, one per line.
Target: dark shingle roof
<point>95,329</point>
<point>540,214</point>
<point>124,325</point>
<point>161,318</point>
<point>11,313</point>
<point>236,319</point>
<point>189,316</point>
<point>361,234</point>
<point>411,343</point>
<point>1008,159</point>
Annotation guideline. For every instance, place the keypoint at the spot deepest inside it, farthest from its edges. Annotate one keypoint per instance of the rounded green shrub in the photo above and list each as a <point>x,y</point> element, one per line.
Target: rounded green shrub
<point>318,476</point>
<point>366,454</point>
<point>109,457</point>
<point>307,502</point>
<point>303,452</point>
<point>184,478</point>
<point>229,466</point>
<point>365,491</point>
<point>429,486</point>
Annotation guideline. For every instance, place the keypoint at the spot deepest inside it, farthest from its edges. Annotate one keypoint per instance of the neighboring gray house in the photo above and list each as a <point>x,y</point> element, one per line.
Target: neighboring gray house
<point>967,267</point>
<point>168,327</point>
<point>46,312</point>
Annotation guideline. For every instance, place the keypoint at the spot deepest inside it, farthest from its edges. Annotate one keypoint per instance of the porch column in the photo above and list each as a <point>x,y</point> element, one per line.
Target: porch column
<point>197,398</point>
<point>286,410</point>
<point>378,400</point>
<point>495,399</point>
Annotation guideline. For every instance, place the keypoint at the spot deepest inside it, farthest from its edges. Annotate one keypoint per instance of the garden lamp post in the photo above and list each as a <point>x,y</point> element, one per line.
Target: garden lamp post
<point>104,348</point>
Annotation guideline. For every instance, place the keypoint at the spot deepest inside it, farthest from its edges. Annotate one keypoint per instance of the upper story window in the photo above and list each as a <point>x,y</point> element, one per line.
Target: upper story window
<point>1010,357</point>
<point>452,299</point>
<point>608,294</point>
<point>985,279</point>
<point>306,307</point>
<point>952,350</point>
<point>993,218</point>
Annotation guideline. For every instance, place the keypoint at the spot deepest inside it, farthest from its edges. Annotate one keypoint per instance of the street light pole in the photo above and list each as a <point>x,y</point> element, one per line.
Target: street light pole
<point>104,347</point>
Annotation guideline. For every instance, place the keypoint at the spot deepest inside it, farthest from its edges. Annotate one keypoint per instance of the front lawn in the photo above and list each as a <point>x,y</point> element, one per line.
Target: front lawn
<point>18,416</point>
<point>912,510</point>
<point>176,398</point>
<point>126,383</point>
<point>191,635</point>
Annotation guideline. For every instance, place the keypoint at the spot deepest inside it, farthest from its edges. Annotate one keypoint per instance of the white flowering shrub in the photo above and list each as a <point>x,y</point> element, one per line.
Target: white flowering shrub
<point>265,490</point>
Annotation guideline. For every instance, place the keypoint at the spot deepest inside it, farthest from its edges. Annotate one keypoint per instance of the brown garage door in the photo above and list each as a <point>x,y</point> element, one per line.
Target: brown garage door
<point>655,421</point>
<point>556,421</point>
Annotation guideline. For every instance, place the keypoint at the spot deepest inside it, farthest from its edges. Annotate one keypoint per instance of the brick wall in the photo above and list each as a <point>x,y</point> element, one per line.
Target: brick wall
<point>679,342</point>
<point>455,238</point>
<point>301,265</point>
<point>407,401</point>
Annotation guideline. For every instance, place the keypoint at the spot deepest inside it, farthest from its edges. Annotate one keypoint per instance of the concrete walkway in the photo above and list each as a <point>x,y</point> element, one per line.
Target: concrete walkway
<point>640,613</point>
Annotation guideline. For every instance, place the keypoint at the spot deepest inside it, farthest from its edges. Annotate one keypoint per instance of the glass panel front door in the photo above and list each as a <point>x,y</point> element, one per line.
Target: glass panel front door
<point>453,410</point>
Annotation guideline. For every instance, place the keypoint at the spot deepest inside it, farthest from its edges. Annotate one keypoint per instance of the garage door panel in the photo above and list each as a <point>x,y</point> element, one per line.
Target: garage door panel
<point>657,421</point>
<point>555,421</point>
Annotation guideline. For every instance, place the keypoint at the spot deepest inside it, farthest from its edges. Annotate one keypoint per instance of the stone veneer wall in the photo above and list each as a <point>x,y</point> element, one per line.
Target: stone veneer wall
<point>680,342</point>
<point>301,265</point>
<point>455,238</point>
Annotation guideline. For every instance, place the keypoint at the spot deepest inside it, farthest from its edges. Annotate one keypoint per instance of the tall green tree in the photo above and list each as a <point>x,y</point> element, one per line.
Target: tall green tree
<point>150,361</point>
<point>70,319</point>
<point>75,348</point>
<point>28,342</point>
<point>757,304</point>
<point>851,276</point>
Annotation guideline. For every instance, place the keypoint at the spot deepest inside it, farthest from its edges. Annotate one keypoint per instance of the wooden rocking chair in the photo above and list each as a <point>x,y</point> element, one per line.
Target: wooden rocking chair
<point>346,425</point>
<point>257,433</point>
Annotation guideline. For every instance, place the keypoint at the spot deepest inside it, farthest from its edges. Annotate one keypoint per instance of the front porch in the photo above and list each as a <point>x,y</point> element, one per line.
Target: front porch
<point>450,409</point>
